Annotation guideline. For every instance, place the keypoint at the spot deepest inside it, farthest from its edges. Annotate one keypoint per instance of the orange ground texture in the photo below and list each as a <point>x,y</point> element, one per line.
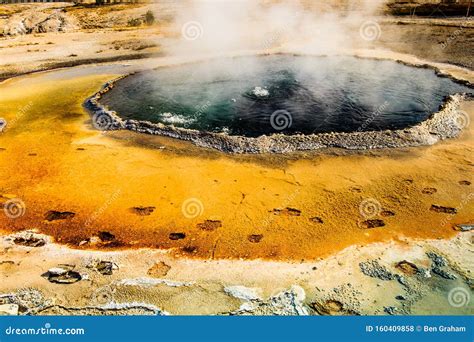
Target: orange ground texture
<point>285,207</point>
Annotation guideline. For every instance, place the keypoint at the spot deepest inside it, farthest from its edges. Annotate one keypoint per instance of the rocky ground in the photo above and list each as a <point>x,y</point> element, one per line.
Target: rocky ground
<point>407,277</point>
<point>62,35</point>
<point>59,35</point>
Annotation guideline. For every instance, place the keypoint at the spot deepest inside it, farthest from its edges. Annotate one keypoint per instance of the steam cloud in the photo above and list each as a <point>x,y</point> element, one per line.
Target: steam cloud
<point>215,27</point>
<point>207,28</point>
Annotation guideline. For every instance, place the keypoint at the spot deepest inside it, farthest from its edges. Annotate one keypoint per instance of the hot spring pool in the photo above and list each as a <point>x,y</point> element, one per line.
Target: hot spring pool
<point>254,96</point>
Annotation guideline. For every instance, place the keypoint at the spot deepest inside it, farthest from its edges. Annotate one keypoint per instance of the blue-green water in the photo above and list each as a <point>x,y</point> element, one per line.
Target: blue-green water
<point>251,96</point>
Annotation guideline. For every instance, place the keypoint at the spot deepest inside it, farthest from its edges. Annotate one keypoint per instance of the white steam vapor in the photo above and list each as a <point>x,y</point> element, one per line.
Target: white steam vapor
<point>215,27</point>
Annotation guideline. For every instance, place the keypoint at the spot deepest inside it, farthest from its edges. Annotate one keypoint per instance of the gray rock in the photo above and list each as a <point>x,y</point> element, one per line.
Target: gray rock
<point>465,227</point>
<point>286,303</point>
<point>243,292</point>
<point>106,267</point>
<point>391,310</point>
<point>437,259</point>
<point>443,274</point>
<point>30,239</point>
<point>373,269</point>
<point>439,265</point>
<point>62,275</point>
<point>401,279</point>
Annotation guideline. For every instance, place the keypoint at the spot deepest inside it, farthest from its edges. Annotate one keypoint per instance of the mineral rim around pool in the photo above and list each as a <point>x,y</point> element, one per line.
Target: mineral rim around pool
<point>254,96</point>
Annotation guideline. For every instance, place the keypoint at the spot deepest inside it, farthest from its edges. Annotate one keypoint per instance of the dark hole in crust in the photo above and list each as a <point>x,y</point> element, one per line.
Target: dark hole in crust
<point>106,236</point>
<point>429,191</point>
<point>189,249</point>
<point>287,211</point>
<point>210,225</point>
<point>407,267</point>
<point>255,238</point>
<point>30,242</point>
<point>443,209</point>
<point>142,211</point>
<point>375,223</point>
<point>387,213</point>
<point>53,215</point>
<point>177,236</point>
<point>316,219</point>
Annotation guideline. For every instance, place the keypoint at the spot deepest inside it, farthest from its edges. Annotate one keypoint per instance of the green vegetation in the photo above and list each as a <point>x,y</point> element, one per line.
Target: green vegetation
<point>149,17</point>
<point>134,22</point>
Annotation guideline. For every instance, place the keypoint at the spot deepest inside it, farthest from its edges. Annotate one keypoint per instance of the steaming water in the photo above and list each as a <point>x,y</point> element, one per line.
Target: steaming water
<point>251,96</point>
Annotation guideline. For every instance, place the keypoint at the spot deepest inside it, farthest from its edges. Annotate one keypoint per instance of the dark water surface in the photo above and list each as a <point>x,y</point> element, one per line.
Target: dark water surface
<point>251,96</point>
